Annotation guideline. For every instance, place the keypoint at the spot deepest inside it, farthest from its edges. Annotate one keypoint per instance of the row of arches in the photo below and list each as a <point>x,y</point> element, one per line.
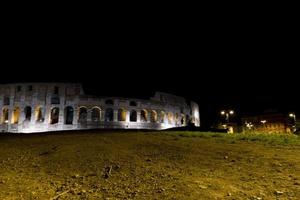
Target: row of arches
<point>16,113</point>
<point>96,115</point>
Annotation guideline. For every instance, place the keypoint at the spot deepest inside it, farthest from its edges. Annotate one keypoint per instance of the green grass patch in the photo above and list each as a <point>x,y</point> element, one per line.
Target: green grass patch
<point>276,139</point>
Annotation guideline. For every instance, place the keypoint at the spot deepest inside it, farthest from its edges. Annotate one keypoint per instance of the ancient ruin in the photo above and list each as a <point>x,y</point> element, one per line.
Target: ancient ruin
<point>43,107</point>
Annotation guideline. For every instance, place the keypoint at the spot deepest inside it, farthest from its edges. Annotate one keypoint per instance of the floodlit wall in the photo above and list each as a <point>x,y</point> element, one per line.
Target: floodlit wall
<point>42,107</point>
<point>195,114</point>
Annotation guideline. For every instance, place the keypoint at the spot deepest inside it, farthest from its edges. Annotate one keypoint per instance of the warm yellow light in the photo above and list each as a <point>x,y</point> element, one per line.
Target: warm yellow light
<point>231,112</point>
<point>222,112</point>
<point>291,115</point>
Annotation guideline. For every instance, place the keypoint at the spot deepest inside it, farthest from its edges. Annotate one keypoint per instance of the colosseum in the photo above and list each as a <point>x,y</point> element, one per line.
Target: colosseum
<point>42,107</point>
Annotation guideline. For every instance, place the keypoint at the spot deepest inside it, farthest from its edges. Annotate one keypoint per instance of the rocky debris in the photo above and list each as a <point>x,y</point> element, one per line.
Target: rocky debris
<point>59,195</point>
<point>76,176</point>
<point>160,190</point>
<point>278,192</point>
<point>256,198</point>
<point>202,186</point>
<point>107,172</point>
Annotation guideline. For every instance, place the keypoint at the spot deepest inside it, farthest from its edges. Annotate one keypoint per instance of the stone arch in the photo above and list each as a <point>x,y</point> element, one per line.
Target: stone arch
<point>39,114</point>
<point>69,114</point>
<point>54,115</point>
<point>122,114</point>
<point>6,100</point>
<point>170,117</point>
<point>109,115</point>
<point>82,114</point>
<point>109,102</point>
<point>183,120</point>
<point>144,116</point>
<point>187,119</point>
<point>96,114</point>
<point>5,113</point>
<point>133,116</point>
<point>153,116</point>
<point>162,117</point>
<point>27,112</point>
<point>15,115</point>
<point>132,103</point>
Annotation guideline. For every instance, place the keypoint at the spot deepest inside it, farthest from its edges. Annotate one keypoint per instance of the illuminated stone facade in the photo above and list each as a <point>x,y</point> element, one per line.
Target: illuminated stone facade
<point>42,107</point>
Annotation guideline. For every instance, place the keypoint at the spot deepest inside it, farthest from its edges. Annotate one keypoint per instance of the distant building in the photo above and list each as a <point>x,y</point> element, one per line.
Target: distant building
<point>272,122</point>
<point>42,107</point>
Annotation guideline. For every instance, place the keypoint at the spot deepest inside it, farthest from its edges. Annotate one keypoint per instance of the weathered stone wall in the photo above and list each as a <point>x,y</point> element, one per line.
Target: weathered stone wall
<point>41,107</point>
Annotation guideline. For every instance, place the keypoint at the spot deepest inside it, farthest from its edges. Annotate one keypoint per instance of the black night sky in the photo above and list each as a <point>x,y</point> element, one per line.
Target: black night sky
<point>249,67</point>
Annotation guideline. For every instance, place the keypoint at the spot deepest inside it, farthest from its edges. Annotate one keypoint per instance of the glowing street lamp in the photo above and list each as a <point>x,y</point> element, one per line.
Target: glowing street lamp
<point>227,113</point>
<point>263,121</point>
<point>293,116</point>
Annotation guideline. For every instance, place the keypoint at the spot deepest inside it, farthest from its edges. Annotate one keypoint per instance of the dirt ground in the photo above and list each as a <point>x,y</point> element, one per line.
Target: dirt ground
<point>145,165</point>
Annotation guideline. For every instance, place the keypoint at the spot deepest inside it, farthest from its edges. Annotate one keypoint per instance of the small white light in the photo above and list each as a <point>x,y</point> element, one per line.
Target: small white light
<point>263,121</point>
<point>231,112</point>
<point>222,112</point>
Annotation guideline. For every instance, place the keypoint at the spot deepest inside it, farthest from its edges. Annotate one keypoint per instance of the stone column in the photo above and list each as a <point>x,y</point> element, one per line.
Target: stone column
<point>115,115</point>
<point>127,116</point>
<point>89,115</point>
<point>75,115</point>
<point>102,115</point>
<point>22,115</point>
<point>148,116</point>
<point>138,116</point>
<point>61,114</point>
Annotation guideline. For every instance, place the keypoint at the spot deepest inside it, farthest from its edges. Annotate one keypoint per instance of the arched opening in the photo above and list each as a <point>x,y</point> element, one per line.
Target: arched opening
<point>54,116</point>
<point>170,117</point>
<point>187,119</point>
<point>132,103</point>
<point>6,101</point>
<point>82,118</point>
<point>121,115</point>
<point>162,117</point>
<point>15,115</point>
<point>144,117</point>
<point>153,116</point>
<point>109,115</point>
<point>133,116</point>
<point>39,114</point>
<point>96,114</point>
<point>5,112</point>
<point>69,113</point>
<point>183,120</point>
<point>27,111</point>
<point>109,102</point>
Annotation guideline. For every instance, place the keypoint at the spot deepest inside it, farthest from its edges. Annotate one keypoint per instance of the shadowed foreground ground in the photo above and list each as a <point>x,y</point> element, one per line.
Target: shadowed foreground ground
<point>145,165</point>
